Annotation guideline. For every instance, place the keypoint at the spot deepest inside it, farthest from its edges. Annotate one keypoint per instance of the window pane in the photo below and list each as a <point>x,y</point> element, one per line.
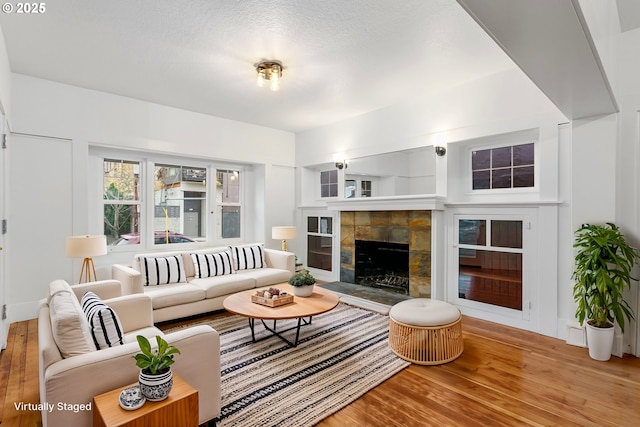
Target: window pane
<point>481,180</point>
<point>121,180</point>
<point>326,225</point>
<point>366,188</point>
<point>501,178</point>
<point>228,221</point>
<point>228,186</point>
<point>312,224</point>
<point>491,278</point>
<point>166,175</point>
<point>472,232</point>
<point>329,183</point>
<point>195,208</point>
<point>506,234</point>
<point>167,218</point>
<point>523,176</point>
<point>350,188</point>
<point>481,159</point>
<point>523,155</point>
<point>501,157</point>
<point>319,251</point>
<point>121,224</point>
<point>329,177</point>
<point>179,204</point>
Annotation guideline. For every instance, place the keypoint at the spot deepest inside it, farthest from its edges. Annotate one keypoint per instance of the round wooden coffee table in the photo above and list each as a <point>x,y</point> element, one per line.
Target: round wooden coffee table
<point>302,309</point>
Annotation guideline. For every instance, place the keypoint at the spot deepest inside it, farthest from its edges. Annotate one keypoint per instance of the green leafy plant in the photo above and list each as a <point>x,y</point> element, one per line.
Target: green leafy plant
<point>155,361</point>
<point>302,278</point>
<point>603,264</point>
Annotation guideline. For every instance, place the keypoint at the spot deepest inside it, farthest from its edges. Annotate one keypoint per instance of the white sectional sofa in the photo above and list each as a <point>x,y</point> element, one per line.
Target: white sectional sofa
<point>189,282</point>
<point>72,371</point>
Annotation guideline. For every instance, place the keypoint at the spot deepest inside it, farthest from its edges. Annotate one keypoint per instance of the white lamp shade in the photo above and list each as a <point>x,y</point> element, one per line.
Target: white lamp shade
<point>283,232</point>
<point>86,246</point>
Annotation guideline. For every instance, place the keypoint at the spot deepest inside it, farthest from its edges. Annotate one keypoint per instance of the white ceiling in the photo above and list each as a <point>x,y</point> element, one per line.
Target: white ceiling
<point>342,57</point>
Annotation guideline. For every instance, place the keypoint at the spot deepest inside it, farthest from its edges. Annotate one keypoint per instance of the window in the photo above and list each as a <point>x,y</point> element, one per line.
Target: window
<point>228,207</point>
<point>366,188</point>
<point>180,203</point>
<point>159,201</point>
<point>353,188</point>
<point>350,188</point>
<point>329,183</point>
<point>503,167</point>
<point>121,201</point>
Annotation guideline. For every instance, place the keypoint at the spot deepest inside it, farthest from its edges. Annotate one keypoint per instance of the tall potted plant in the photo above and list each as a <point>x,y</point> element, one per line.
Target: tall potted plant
<point>603,264</point>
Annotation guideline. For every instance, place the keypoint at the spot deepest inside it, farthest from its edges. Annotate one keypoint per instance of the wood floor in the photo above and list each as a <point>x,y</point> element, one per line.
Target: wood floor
<point>505,377</point>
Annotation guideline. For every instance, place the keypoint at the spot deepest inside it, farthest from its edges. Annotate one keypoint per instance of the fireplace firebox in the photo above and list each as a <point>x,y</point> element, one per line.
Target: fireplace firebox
<point>382,265</point>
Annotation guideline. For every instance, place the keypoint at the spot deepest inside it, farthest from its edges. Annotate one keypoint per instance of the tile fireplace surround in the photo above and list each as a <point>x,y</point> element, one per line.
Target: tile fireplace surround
<point>412,227</point>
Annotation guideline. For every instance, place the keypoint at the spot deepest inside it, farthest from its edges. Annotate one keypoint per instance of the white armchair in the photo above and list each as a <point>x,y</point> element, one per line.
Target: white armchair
<point>77,379</point>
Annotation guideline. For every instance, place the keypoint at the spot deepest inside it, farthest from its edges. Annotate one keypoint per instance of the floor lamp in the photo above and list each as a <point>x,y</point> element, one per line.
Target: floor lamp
<point>86,247</point>
<point>283,233</point>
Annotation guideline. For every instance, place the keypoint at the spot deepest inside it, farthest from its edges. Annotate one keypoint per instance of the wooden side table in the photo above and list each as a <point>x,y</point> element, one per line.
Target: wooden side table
<point>179,409</point>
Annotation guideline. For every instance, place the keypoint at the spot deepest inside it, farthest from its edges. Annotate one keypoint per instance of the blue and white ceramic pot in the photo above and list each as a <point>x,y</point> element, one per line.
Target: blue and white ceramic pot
<point>156,387</point>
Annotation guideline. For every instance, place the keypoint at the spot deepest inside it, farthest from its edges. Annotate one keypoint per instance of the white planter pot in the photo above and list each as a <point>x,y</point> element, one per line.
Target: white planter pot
<point>155,387</point>
<point>302,291</point>
<point>600,342</point>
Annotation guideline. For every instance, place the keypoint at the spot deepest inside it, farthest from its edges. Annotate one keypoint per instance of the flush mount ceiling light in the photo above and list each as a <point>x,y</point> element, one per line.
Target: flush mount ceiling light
<point>269,70</point>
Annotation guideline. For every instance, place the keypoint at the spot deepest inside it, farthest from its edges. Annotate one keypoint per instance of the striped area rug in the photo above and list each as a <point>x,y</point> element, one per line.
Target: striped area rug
<point>341,355</point>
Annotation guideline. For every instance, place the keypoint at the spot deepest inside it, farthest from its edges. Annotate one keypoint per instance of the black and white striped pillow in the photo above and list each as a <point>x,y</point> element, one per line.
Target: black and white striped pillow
<point>163,270</point>
<point>248,257</point>
<point>105,326</point>
<point>212,264</point>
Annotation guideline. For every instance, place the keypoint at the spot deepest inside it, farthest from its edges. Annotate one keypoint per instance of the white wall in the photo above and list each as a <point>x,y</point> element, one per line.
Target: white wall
<point>84,118</point>
<point>47,108</point>
<point>481,107</point>
<point>628,159</point>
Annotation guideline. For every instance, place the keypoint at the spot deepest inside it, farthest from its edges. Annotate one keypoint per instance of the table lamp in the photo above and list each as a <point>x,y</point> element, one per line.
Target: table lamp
<point>86,247</point>
<point>283,233</point>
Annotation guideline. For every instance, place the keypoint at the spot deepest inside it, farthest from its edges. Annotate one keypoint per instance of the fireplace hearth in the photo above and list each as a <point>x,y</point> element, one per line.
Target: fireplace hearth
<point>382,265</point>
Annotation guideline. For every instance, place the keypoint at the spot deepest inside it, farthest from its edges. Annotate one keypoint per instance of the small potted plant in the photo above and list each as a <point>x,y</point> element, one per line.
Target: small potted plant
<point>302,283</point>
<point>602,272</point>
<point>156,378</point>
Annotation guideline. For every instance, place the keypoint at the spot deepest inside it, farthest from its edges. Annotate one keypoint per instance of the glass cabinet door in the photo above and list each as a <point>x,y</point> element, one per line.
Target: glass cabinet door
<point>320,242</point>
<point>490,255</point>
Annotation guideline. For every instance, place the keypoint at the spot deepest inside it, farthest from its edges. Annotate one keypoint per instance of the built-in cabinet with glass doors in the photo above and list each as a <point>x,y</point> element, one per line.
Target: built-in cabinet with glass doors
<point>320,234</point>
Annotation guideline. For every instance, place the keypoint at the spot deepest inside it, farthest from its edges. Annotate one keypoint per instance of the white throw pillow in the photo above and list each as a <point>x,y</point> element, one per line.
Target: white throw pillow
<point>211,264</point>
<point>106,328</point>
<point>248,257</point>
<point>69,325</point>
<point>163,270</point>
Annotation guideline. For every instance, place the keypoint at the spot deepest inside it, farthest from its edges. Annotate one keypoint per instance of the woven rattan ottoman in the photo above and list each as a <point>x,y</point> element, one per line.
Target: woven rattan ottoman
<point>426,331</point>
